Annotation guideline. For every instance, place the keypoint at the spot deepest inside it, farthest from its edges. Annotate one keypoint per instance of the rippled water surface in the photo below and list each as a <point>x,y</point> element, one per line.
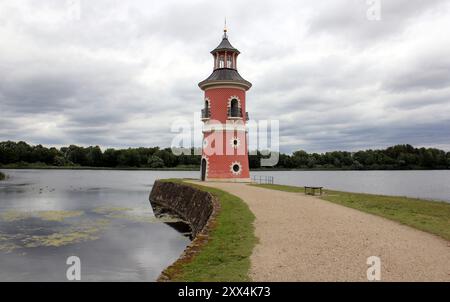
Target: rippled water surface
<point>103,217</point>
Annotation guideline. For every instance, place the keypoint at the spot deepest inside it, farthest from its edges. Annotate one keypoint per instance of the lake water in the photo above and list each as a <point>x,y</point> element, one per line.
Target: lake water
<point>420,184</point>
<point>102,217</point>
<point>105,218</point>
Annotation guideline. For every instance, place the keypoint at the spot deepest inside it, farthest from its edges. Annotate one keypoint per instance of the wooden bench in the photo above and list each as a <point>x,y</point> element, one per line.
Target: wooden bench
<point>312,190</point>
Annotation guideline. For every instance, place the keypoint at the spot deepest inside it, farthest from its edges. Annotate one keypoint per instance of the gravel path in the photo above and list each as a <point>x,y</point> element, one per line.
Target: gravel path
<point>304,238</point>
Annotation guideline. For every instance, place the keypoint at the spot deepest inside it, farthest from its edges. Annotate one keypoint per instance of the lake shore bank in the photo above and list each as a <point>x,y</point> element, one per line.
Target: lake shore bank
<point>222,227</point>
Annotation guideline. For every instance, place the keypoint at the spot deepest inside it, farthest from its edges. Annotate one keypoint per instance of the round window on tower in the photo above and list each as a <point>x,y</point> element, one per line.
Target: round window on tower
<point>235,142</point>
<point>236,168</point>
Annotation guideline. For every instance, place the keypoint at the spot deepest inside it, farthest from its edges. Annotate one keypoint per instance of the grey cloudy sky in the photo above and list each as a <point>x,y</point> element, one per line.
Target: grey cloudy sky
<point>122,72</point>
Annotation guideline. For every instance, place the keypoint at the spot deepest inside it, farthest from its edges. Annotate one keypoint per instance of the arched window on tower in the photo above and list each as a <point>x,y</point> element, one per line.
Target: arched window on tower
<point>229,62</point>
<point>235,110</point>
<point>221,62</point>
<point>206,112</point>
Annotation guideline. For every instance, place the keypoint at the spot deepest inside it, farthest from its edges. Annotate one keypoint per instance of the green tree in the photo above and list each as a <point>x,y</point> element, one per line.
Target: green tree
<point>110,158</point>
<point>77,155</point>
<point>170,160</point>
<point>94,156</point>
<point>300,159</point>
<point>129,158</point>
<point>155,162</point>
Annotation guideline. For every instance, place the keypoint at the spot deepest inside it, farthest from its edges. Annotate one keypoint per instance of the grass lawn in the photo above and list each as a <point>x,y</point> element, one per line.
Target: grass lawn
<point>226,256</point>
<point>428,216</point>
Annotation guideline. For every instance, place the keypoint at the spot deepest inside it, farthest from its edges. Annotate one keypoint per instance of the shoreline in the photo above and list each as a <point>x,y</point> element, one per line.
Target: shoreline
<point>194,169</point>
<point>199,209</point>
<point>224,241</point>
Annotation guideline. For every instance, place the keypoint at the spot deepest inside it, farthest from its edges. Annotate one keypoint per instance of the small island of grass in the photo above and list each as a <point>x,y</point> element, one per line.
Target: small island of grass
<point>2,176</point>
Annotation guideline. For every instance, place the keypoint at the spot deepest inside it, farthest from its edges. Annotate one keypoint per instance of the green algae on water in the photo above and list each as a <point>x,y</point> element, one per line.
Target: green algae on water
<point>109,211</point>
<point>6,245</point>
<point>61,239</point>
<point>59,216</point>
<point>82,232</point>
<point>11,216</point>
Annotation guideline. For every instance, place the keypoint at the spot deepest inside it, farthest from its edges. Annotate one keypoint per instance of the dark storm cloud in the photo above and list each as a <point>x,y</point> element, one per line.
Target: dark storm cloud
<point>125,70</point>
<point>431,72</point>
<point>38,94</point>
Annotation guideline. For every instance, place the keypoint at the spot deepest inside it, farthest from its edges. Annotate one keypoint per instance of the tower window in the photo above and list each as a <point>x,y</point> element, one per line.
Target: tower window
<point>235,142</point>
<point>236,168</point>
<point>234,108</point>
<point>221,62</point>
<point>229,62</point>
<point>206,112</point>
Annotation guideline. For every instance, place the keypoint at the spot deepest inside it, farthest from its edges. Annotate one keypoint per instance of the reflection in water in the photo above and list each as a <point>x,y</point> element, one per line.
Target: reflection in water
<point>103,217</point>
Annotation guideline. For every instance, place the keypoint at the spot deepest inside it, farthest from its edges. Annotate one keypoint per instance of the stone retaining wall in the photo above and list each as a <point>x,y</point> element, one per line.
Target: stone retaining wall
<point>198,208</point>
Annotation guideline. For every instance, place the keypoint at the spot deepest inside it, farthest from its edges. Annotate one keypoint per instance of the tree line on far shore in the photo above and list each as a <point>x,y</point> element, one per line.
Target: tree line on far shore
<point>399,157</point>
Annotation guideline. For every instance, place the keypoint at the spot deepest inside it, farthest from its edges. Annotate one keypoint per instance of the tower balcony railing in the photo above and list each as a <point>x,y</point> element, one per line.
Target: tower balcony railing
<point>206,113</point>
<point>237,114</point>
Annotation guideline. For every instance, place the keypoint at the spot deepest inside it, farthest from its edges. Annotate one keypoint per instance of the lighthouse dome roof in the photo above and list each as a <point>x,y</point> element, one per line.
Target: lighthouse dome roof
<point>225,45</point>
<point>225,76</point>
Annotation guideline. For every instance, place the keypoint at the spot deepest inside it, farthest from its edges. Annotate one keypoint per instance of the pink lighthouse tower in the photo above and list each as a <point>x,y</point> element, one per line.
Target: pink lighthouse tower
<point>225,153</point>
